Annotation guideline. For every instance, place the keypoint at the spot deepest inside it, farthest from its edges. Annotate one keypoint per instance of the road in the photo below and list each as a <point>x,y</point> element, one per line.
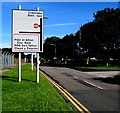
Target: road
<point>87,88</point>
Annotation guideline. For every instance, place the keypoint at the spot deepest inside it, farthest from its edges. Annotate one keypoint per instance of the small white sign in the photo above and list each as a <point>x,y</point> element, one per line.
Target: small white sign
<point>27,31</point>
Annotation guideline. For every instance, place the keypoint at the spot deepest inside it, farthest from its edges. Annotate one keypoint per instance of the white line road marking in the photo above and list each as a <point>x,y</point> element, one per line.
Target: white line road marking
<point>93,85</point>
<point>75,77</point>
<point>89,83</point>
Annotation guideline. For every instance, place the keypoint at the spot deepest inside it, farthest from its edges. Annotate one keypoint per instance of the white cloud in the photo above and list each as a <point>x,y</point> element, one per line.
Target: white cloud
<point>5,45</point>
<point>65,24</point>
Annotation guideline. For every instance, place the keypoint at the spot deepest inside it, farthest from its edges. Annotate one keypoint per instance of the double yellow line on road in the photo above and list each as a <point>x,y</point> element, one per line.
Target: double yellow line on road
<point>74,101</point>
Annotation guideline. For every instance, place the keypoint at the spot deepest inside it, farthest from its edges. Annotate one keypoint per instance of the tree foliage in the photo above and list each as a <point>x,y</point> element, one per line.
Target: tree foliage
<point>49,50</point>
<point>99,38</point>
<point>103,34</point>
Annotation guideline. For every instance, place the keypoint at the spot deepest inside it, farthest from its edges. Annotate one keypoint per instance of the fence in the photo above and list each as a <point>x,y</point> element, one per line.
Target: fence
<point>6,59</point>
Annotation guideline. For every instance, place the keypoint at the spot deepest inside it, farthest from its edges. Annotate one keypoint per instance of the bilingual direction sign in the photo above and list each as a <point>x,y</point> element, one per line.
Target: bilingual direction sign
<point>27,31</point>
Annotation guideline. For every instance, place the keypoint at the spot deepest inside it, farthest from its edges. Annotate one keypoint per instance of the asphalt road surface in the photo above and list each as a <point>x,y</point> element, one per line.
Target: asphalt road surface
<point>88,88</point>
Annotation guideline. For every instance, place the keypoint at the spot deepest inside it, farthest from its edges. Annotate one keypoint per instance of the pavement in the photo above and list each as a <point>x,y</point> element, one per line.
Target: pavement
<point>99,72</point>
<point>4,70</point>
<point>103,73</point>
<point>7,69</point>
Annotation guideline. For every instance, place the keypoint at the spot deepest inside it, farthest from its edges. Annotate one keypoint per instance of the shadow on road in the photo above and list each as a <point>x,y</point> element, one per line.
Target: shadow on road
<point>110,80</point>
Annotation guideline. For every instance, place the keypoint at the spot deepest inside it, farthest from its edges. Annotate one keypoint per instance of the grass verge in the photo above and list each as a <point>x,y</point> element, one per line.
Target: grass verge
<point>101,67</point>
<point>118,75</point>
<point>29,95</point>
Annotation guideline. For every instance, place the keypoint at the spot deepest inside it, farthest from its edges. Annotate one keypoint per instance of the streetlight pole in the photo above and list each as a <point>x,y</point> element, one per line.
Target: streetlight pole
<point>55,49</point>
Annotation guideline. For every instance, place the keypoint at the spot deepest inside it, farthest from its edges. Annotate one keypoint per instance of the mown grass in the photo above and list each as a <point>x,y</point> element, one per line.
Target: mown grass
<point>118,75</point>
<point>101,67</point>
<point>29,95</point>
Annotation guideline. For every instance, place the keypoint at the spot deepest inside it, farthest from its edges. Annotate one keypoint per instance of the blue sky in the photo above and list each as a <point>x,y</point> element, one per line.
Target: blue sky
<point>63,17</point>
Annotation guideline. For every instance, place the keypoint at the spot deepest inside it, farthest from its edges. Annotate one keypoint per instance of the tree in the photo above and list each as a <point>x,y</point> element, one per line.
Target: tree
<point>49,51</point>
<point>68,47</point>
<point>65,47</point>
<point>103,34</point>
<point>99,38</point>
<point>108,21</point>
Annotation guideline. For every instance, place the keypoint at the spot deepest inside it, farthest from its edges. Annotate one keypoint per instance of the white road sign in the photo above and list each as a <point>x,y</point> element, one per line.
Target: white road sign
<point>27,31</point>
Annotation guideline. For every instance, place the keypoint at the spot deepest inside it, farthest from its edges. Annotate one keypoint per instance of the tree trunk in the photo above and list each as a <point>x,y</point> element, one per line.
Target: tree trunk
<point>88,59</point>
<point>107,64</point>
